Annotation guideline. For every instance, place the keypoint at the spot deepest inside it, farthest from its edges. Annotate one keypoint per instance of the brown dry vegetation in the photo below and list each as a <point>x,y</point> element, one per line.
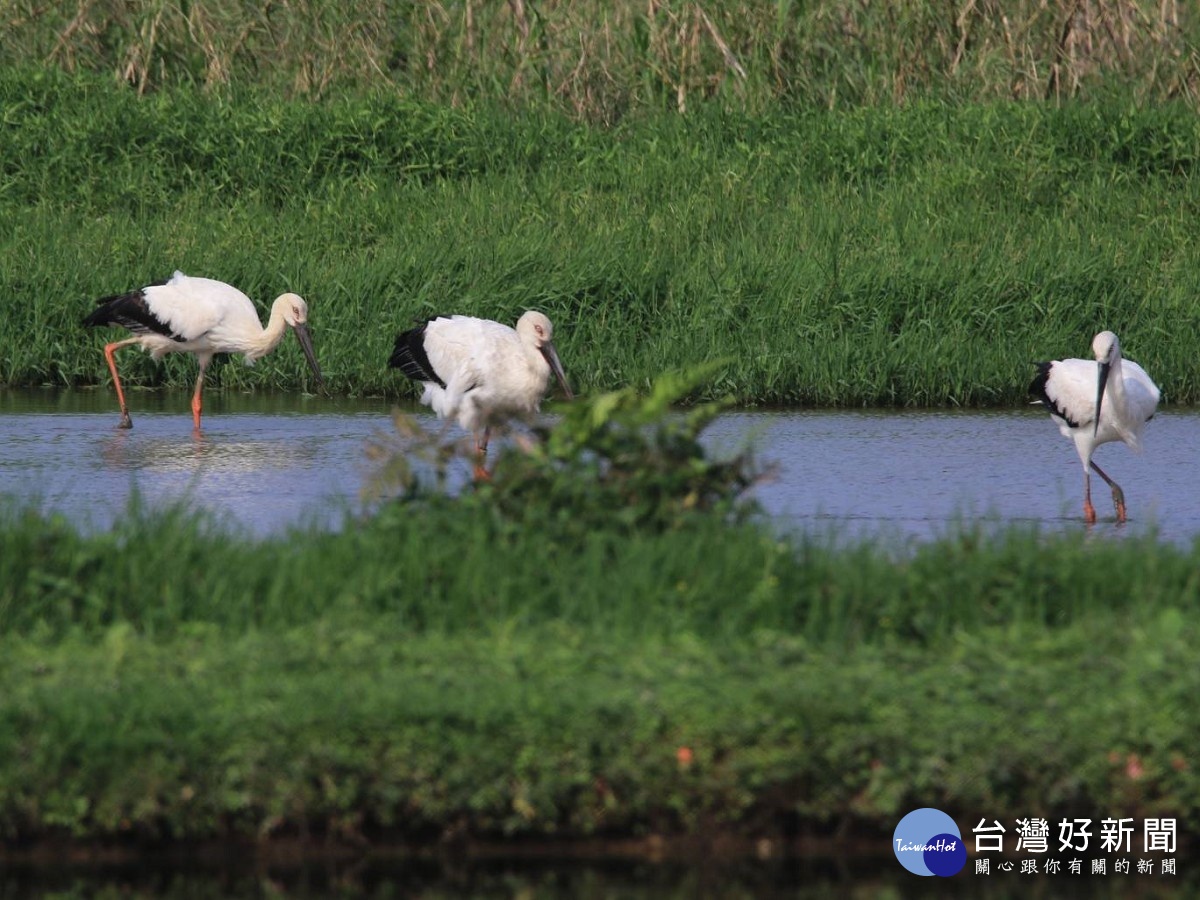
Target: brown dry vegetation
<point>598,60</point>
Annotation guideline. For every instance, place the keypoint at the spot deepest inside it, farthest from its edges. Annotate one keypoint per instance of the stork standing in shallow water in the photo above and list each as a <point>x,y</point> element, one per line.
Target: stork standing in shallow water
<point>481,372</point>
<point>1097,402</point>
<point>199,316</point>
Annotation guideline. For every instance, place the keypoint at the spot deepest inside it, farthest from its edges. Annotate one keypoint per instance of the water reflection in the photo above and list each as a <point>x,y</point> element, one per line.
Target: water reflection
<point>436,878</point>
<point>225,458</point>
<point>268,462</point>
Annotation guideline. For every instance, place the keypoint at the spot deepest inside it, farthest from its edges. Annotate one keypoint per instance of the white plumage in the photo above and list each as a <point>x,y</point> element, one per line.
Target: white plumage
<point>1093,403</point>
<point>479,372</point>
<point>199,316</point>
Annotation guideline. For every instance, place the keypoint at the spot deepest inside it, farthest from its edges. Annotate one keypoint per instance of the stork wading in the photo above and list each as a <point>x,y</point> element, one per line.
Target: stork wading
<point>1095,402</point>
<point>481,372</point>
<point>202,317</point>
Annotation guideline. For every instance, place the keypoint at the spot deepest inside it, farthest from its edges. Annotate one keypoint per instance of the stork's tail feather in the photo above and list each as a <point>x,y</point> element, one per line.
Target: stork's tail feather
<point>129,311</point>
<point>409,356</point>
<point>108,309</point>
<point>1037,387</point>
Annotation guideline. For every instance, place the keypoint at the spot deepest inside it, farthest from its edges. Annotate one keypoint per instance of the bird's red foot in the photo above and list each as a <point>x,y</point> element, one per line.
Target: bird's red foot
<point>1089,513</point>
<point>1120,513</point>
<point>482,474</point>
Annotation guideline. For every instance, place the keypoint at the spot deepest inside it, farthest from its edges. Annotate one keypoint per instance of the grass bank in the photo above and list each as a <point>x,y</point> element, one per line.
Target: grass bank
<point>924,255</point>
<point>172,681</point>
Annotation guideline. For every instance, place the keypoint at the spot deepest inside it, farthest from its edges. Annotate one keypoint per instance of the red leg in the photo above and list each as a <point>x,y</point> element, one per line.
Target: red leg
<point>1089,511</point>
<point>481,445</point>
<point>197,403</point>
<point>197,398</point>
<point>1118,495</point>
<point>109,350</point>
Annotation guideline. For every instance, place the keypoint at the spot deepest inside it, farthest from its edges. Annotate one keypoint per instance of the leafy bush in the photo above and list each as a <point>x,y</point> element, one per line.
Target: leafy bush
<point>620,460</point>
<point>626,459</point>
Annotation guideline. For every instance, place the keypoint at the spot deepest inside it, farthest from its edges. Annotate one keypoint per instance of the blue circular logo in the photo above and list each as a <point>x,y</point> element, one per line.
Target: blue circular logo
<point>927,842</point>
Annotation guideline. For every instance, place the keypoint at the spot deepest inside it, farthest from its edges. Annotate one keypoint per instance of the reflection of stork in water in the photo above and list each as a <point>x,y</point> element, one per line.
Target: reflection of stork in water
<point>199,316</point>
<point>481,372</point>
<point>282,451</point>
<point>1093,403</point>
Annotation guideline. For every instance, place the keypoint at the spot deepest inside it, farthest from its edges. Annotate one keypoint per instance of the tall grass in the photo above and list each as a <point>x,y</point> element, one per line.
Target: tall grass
<point>917,256</point>
<point>600,61</point>
<point>449,569</point>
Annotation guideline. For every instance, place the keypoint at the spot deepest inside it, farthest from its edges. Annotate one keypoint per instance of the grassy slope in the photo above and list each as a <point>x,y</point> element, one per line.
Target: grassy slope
<point>918,256</point>
<point>547,731</point>
<point>501,682</point>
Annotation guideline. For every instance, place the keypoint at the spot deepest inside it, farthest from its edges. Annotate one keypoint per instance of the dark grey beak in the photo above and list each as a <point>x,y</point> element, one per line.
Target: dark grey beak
<point>551,355</point>
<point>1103,380</point>
<point>306,345</point>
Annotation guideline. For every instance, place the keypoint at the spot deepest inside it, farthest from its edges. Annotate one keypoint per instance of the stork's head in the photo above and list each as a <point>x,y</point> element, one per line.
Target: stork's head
<point>295,313</point>
<point>293,308</point>
<point>1106,347</point>
<point>1108,351</point>
<point>535,329</point>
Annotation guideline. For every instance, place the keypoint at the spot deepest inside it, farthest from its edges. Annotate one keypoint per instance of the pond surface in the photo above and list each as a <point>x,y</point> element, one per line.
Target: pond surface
<point>268,462</point>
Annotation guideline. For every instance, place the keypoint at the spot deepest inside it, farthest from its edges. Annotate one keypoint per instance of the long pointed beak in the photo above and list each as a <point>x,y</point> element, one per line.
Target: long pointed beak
<point>1101,382</point>
<point>306,345</point>
<point>551,355</point>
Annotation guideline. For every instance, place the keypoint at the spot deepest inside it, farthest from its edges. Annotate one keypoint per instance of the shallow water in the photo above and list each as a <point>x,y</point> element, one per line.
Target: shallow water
<point>267,462</point>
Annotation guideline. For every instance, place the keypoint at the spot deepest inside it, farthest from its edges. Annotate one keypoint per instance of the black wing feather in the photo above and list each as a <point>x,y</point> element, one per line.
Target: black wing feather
<point>129,311</point>
<point>1037,388</point>
<point>409,355</point>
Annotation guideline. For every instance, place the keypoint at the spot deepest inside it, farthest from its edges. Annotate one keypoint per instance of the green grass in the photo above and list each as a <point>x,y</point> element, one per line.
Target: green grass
<point>545,731</point>
<point>482,571</point>
<point>920,256</point>
<point>175,681</point>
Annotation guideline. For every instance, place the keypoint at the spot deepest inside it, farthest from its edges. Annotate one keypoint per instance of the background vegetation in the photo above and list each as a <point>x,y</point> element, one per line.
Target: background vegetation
<point>923,255</point>
<point>600,60</point>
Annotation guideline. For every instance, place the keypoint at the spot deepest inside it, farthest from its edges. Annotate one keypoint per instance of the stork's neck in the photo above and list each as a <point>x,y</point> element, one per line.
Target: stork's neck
<point>1116,383</point>
<point>266,340</point>
<point>537,362</point>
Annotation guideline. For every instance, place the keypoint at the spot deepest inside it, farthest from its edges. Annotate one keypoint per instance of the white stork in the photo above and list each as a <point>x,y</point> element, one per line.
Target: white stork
<point>199,316</point>
<point>481,372</point>
<point>1097,402</point>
